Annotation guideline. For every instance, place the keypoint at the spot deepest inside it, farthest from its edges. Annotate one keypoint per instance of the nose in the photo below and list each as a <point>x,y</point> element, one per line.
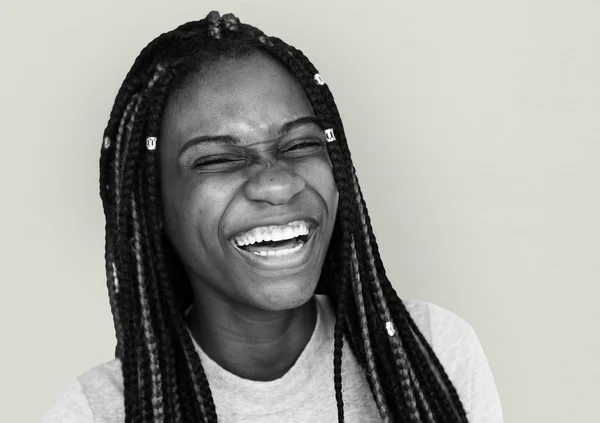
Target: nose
<point>274,185</point>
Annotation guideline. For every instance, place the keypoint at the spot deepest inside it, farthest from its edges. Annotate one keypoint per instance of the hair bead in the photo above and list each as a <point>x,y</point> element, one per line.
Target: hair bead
<point>319,80</point>
<point>151,143</point>
<point>106,142</point>
<point>329,135</point>
<point>115,276</point>
<point>390,328</point>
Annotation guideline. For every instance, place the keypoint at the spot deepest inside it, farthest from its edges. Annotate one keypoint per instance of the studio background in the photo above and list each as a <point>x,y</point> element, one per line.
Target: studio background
<point>474,128</point>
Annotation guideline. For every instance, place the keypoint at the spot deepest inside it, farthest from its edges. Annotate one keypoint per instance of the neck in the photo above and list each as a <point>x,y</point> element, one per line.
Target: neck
<point>250,343</point>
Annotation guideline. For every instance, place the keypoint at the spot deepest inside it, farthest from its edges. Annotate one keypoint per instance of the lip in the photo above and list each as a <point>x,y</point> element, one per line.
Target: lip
<point>291,261</point>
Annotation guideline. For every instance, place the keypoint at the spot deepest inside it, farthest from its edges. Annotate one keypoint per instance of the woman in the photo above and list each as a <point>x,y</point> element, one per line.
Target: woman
<point>243,273</point>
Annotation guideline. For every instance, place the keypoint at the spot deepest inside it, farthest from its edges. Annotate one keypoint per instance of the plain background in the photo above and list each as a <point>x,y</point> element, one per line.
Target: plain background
<point>474,127</point>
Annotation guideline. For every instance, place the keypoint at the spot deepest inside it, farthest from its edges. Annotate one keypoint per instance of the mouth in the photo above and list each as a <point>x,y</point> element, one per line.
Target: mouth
<point>276,242</point>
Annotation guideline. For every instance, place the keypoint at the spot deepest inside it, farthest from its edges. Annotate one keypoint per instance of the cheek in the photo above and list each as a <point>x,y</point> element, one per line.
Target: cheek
<point>318,172</point>
<point>173,214</point>
<point>196,206</point>
<point>206,203</point>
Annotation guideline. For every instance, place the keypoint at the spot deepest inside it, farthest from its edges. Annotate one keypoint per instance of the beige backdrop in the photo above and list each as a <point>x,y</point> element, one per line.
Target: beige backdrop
<point>474,127</point>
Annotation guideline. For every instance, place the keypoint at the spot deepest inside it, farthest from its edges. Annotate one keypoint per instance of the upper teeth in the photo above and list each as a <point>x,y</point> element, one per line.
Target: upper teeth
<point>273,233</point>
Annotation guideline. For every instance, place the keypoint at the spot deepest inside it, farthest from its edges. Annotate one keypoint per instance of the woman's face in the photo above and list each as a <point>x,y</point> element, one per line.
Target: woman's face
<point>249,198</point>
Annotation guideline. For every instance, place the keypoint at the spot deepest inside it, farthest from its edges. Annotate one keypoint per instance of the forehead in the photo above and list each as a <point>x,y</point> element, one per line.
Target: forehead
<point>248,97</point>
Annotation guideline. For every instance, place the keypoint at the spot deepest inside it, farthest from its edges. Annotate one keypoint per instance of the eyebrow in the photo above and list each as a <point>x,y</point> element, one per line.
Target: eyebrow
<point>229,139</point>
<point>303,121</point>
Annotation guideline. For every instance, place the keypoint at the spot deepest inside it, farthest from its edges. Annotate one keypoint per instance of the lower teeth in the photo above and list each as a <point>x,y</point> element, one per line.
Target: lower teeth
<point>272,253</point>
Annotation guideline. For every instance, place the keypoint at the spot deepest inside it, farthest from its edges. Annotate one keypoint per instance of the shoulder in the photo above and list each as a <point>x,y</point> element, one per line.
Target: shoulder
<point>450,336</point>
<point>94,396</point>
<point>443,329</point>
<point>460,352</point>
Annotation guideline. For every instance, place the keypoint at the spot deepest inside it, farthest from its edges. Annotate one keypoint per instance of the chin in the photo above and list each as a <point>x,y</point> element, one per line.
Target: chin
<point>285,296</point>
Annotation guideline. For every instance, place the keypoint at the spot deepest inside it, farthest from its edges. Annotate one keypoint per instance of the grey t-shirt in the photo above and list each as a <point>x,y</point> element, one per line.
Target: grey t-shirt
<point>306,392</point>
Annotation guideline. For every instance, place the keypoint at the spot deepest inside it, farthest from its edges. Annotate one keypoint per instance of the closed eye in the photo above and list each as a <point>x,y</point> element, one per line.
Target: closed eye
<point>219,163</point>
<point>303,147</point>
<point>213,162</point>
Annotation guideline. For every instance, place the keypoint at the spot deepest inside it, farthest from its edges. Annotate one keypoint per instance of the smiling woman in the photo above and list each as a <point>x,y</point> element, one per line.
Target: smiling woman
<point>242,269</point>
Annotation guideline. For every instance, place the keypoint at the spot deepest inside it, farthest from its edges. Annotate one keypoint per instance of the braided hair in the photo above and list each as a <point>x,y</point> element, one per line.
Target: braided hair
<point>163,377</point>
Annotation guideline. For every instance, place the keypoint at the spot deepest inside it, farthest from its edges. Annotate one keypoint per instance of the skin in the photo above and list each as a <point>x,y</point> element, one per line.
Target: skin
<point>253,318</point>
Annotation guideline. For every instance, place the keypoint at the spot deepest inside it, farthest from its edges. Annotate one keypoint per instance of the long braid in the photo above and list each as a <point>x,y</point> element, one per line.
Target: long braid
<point>132,371</point>
<point>343,278</point>
<point>151,342</point>
<point>165,345</point>
<point>112,224</point>
<point>437,384</point>
<point>110,267</point>
<point>127,310</point>
<point>147,366</point>
<point>155,384</point>
<point>398,351</point>
<point>372,372</point>
<point>163,376</point>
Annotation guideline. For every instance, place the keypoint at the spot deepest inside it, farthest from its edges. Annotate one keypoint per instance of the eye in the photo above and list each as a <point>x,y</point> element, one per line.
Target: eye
<point>221,163</point>
<point>303,147</point>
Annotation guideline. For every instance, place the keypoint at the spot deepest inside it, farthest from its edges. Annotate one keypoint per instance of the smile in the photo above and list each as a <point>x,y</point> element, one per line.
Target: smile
<point>275,241</point>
